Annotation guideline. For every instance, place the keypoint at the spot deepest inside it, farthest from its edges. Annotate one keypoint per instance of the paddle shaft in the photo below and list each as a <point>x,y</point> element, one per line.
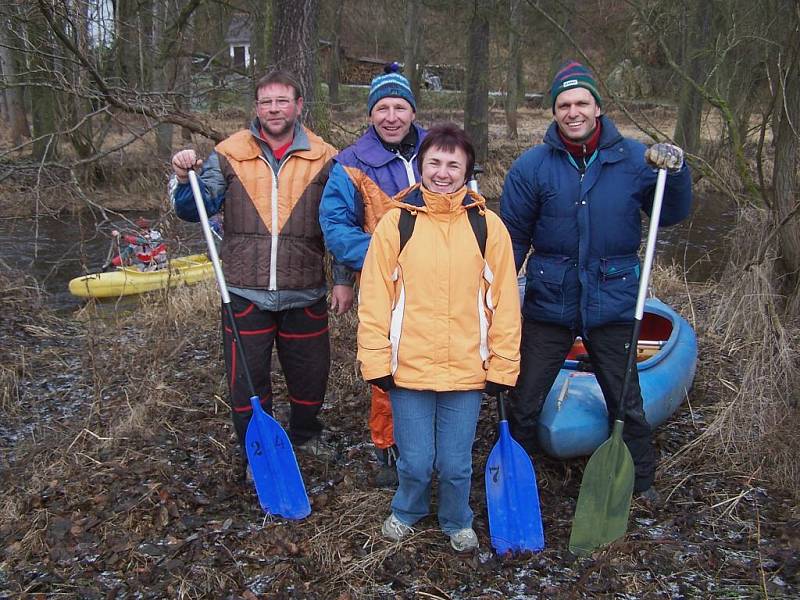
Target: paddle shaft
<point>644,280</point>
<point>501,406</point>
<point>223,288</point>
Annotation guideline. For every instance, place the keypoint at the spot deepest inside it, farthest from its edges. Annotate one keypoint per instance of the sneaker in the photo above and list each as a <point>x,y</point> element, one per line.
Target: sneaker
<point>316,446</point>
<point>394,529</point>
<point>464,540</point>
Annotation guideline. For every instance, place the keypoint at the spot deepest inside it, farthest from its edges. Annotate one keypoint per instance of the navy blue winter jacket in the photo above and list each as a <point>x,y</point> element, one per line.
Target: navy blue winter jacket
<point>585,231</point>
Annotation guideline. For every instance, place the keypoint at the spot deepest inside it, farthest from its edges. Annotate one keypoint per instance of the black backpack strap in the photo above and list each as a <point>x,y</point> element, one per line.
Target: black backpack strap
<point>406,227</point>
<point>478,221</point>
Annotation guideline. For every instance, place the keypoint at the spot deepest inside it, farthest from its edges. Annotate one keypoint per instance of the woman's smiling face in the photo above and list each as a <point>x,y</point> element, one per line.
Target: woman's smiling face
<point>444,171</point>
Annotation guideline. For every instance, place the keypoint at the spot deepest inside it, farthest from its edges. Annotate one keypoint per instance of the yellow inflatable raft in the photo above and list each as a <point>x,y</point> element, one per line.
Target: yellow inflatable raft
<point>130,280</point>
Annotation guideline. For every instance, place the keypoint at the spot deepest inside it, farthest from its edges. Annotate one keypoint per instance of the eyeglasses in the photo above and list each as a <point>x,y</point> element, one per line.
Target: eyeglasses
<point>277,102</point>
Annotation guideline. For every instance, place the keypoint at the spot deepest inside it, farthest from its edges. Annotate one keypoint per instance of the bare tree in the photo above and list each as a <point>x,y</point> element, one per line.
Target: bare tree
<point>690,106</point>
<point>294,47</point>
<point>336,49</point>
<point>44,95</point>
<point>513,71</point>
<point>412,44</point>
<point>15,108</point>
<point>476,110</point>
<point>787,156</point>
<point>262,35</point>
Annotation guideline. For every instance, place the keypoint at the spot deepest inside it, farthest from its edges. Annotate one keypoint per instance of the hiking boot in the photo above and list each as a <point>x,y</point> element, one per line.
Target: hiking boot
<point>464,540</point>
<point>387,471</point>
<point>394,529</point>
<point>316,446</point>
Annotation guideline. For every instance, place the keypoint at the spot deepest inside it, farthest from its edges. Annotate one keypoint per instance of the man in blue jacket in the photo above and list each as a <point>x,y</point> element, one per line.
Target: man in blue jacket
<point>577,200</point>
<point>362,181</point>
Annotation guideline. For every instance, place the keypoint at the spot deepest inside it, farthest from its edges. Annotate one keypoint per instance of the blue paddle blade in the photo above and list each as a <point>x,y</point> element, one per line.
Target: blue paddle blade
<point>276,474</point>
<point>512,498</point>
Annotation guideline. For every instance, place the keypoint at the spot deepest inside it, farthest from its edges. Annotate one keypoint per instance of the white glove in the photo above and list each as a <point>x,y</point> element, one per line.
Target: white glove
<point>664,156</point>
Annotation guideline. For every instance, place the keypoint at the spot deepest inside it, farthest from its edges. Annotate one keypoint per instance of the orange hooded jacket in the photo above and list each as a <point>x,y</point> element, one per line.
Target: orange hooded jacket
<point>438,315</point>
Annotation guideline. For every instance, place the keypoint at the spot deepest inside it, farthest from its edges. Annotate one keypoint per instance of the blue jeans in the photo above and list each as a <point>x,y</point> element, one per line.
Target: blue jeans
<point>434,430</point>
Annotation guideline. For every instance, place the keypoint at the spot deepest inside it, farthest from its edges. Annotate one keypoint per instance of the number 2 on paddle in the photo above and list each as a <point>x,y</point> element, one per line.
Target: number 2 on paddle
<point>256,446</point>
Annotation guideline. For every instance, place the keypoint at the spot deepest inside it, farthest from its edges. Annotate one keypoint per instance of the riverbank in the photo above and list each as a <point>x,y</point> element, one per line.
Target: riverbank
<point>121,483</point>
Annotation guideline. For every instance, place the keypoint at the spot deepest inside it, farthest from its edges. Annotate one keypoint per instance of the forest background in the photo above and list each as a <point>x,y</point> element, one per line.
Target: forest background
<point>96,95</point>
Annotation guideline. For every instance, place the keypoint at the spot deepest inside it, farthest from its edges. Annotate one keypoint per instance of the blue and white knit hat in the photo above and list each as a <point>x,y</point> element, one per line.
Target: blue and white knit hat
<point>391,84</point>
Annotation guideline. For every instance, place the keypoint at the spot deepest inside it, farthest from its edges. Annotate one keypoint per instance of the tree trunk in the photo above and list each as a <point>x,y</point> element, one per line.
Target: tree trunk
<point>333,67</point>
<point>476,111</point>
<point>690,105</point>
<point>785,177</point>
<point>512,69</point>
<point>82,136</point>
<point>262,37</point>
<point>44,99</point>
<point>219,18</point>
<point>162,69</point>
<point>294,48</point>
<point>15,106</point>
<point>126,41</point>
<point>412,42</point>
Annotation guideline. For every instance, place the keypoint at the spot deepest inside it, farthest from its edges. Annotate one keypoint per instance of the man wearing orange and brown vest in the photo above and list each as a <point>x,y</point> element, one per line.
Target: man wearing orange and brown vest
<point>363,179</point>
<point>269,180</point>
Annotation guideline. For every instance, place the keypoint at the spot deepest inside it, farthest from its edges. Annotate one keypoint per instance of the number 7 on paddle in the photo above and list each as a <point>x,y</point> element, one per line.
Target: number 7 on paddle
<point>512,498</point>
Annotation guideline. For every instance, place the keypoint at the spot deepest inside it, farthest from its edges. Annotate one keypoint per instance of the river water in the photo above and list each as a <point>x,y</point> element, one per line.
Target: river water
<point>53,251</point>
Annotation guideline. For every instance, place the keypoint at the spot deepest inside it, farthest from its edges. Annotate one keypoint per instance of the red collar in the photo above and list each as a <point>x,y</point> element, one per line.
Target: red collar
<point>276,152</point>
<point>585,148</point>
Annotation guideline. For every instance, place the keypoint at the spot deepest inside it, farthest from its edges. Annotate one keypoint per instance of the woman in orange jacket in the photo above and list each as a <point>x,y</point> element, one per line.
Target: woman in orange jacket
<point>439,323</point>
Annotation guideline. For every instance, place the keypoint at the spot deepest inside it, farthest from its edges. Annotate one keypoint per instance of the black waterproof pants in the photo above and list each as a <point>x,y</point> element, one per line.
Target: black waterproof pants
<point>301,337</point>
<point>543,350</point>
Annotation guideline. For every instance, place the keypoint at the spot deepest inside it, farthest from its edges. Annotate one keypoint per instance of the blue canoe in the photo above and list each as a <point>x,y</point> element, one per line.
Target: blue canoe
<point>574,419</point>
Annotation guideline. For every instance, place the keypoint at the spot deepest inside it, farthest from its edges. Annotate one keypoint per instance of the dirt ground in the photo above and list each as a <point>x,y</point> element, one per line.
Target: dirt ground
<point>120,479</point>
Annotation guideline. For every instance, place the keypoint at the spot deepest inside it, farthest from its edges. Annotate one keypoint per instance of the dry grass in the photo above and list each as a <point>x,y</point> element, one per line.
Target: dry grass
<point>754,429</point>
<point>139,485</point>
<point>18,294</point>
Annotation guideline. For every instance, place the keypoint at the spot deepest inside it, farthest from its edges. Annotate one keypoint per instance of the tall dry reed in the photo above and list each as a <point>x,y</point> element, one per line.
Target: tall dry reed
<point>756,427</point>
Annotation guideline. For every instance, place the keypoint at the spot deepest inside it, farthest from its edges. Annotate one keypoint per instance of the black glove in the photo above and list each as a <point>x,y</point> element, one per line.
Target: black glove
<point>386,382</point>
<point>664,156</point>
<point>495,389</point>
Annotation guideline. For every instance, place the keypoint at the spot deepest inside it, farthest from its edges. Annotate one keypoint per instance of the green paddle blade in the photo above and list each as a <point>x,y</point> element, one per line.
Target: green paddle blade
<point>604,501</point>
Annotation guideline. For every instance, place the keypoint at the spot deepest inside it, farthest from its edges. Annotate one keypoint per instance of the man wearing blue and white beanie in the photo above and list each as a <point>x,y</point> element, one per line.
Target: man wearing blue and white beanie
<point>364,178</point>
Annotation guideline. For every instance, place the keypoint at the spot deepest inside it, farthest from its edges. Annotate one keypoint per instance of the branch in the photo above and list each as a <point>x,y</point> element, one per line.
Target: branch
<point>762,249</point>
<point>714,100</point>
<point>174,31</point>
<point>175,117</point>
